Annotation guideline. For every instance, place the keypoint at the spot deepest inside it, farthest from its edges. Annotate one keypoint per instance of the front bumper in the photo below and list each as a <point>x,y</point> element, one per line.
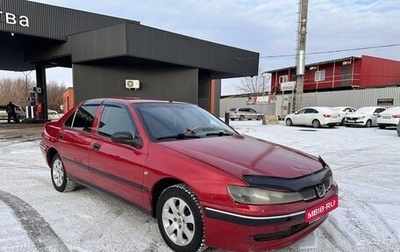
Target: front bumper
<point>239,232</point>
<point>355,122</point>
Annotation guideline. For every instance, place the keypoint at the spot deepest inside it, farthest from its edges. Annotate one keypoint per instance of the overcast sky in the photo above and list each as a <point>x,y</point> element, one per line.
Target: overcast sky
<point>335,28</point>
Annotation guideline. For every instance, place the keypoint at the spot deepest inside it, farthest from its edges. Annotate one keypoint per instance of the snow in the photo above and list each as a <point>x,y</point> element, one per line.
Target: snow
<point>365,163</point>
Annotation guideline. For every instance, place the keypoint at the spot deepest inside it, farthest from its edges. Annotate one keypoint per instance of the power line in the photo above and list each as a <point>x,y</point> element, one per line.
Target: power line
<point>332,51</point>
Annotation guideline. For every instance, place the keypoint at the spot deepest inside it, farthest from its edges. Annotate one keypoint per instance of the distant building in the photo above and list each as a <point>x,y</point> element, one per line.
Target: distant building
<point>351,81</point>
<point>68,99</point>
<point>341,74</point>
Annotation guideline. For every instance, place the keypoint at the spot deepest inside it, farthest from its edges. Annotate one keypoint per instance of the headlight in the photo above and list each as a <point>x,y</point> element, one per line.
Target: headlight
<point>362,117</point>
<point>256,196</point>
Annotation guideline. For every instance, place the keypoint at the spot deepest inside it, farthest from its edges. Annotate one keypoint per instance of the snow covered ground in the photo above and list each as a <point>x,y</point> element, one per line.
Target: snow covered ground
<point>365,162</point>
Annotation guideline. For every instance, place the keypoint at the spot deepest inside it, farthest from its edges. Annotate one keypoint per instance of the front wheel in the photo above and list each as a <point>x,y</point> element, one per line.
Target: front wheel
<point>289,122</point>
<point>368,124</point>
<point>180,219</point>
<point>59,177</point>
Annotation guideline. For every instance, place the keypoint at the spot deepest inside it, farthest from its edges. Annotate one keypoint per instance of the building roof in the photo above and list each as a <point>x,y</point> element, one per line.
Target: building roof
<point>54,36</point>
<point>316,63</point>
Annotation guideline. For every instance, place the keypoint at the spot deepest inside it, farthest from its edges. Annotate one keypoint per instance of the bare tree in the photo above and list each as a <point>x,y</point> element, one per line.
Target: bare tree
<point>55,95</point>
<point>15,90</point>
<point>254,85</point>
<point>18,90</point>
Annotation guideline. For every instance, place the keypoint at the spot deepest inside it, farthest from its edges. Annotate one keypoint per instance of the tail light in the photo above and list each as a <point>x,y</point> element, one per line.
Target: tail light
<point>396,116</point>
<point>327,115</point>
<point>379,116</point>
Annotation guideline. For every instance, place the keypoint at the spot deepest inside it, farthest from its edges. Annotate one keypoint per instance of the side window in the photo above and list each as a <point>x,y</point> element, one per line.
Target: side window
<point>320,75</point>
<point>379,110</point>
<point>83,118</point>
<point>115,119</point>
<point>310,111</point>
<point>252,111</point>
<point>301,111</point>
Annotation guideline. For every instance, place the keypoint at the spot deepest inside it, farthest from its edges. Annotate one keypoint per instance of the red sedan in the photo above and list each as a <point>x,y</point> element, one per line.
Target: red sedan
<point>206,184</point>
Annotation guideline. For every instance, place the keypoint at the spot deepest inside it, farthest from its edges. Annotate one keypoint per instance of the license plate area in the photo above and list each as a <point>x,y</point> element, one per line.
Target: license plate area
<point>321,209</point>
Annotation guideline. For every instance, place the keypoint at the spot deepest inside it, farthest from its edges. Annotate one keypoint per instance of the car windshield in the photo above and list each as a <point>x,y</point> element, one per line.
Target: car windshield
<point>178,121</point>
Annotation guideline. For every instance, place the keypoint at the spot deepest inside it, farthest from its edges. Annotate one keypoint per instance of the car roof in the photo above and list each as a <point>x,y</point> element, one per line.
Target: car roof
<point>318,108</point>
<point>130,100</point>
<point>393,109</point>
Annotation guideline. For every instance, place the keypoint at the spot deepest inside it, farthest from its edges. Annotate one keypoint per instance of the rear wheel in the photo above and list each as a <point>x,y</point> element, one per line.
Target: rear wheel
<point>59,177</point>
<point>180,219</point>
<point>316,124</point>
<point>398,129</point>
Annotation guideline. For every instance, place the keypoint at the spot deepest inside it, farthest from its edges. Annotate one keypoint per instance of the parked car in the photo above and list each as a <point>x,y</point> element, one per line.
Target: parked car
<point>244,114</point>
<point>343,111</point>
<point>365,116</point>
<point>52,114</point>
<point>389,117</point>
<point>19,110</point>
<point>398,129</point>
<point>187,168</point>
<point>314,116</point>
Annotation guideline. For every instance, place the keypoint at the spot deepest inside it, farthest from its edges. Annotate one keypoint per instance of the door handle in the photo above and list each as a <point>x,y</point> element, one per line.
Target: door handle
<point>96,146</point>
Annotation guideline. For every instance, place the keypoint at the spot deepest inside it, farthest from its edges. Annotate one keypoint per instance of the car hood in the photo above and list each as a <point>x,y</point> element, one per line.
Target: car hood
<point>243,155</point>
<point>358,114</point>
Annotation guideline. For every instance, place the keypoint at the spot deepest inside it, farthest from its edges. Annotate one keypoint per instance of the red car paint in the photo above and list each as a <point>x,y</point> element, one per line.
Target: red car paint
<point>206,165</point>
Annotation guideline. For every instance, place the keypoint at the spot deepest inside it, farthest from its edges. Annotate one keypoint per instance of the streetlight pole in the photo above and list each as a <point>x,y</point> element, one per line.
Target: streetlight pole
<point>301,51</point>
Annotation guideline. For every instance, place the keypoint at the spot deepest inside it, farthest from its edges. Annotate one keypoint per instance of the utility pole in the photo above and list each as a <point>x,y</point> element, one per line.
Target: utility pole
<point>301,52</point>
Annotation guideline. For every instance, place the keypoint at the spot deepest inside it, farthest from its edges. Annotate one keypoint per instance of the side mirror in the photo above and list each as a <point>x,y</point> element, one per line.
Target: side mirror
<point>126,137</point>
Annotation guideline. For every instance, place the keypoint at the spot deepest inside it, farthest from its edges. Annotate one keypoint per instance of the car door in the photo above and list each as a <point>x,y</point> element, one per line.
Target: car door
<point>309,115</point>
<point>74,140</point>
<point>117,167</point>
<point>252,114</point>
<point>375,115</point>
<point>298,117</point>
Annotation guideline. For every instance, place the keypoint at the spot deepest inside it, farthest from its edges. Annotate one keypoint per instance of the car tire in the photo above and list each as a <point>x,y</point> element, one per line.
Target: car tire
<point>259,117</point>
<point>316,124</point>
<point>59,177</point>
<point>180,219</point>
<point>241,118</point>
<point>289,122</point>
<point>368,124</point>
<point>382,126</point>
<point>398,129</point>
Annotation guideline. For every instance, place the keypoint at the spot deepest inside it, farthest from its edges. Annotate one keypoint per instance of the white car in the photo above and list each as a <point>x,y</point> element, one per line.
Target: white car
<point>343,111</point>
<point>389,117</point>
<point>52,114</point>
<point>365,116</point>
<point>314,116</point>
<point>398,129</point>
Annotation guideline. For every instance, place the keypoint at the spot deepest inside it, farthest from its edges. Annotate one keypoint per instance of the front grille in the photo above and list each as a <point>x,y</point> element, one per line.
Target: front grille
<point>306,185</point>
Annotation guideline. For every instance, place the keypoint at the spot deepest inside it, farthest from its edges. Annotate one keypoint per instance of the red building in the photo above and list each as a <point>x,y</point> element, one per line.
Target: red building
<point>340,74</point>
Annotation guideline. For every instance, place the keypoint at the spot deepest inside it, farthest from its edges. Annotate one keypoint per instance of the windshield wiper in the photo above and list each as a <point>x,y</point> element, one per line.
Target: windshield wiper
<point>220,133</point>
<point>178,137</point>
